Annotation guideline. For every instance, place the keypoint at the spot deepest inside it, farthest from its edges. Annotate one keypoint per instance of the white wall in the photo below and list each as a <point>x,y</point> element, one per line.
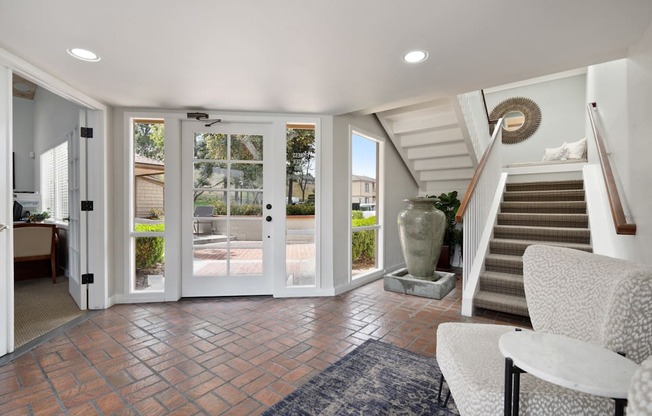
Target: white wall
<point>622,90</point>
<point>562,115</point>
<point>23,140</point>
<point>54,118</point>
<point>398,186</point>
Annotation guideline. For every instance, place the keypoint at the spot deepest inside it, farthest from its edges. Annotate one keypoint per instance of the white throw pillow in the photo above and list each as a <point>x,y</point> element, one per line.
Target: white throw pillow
<point>576,150</point>
<point>556,153</point>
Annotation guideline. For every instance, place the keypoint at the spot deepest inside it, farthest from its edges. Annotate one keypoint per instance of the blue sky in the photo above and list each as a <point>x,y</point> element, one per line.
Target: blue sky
<point>363,153</point>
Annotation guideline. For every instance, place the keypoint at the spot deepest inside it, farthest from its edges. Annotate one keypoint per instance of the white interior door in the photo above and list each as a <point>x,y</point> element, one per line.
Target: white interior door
<point>227,209</point>
<point>6,217</point>
<point>77,225</point>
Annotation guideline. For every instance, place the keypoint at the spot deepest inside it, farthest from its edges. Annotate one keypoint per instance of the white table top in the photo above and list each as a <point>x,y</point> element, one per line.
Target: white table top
<point>570,363</point>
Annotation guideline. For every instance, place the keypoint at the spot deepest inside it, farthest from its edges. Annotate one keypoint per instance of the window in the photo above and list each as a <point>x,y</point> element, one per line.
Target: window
<point>54,182</point>
<point>365,226</point>
<point>148,185</point>
<point>300,193</point>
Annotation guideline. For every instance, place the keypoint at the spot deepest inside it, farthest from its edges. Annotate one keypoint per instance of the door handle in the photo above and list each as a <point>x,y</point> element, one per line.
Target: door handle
<point>3,227</point>
<point>268,218</point>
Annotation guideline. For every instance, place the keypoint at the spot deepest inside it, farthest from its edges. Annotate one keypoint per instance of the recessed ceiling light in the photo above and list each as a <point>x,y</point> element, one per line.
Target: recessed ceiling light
<point>414,57</point>
<point>83,54</point>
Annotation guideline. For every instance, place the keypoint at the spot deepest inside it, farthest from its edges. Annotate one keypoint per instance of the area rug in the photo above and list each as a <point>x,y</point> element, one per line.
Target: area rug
<point>374,379</point>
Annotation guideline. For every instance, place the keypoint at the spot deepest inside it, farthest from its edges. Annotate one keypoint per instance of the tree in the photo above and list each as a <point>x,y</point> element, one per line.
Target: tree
<point>214,146</point>
<point>300,152</point>
<point>149,140</point>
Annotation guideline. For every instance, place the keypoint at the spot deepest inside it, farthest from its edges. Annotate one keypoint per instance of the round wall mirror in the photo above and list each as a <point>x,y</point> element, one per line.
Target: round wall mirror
<point>521,118</point>
<point>513,120</point>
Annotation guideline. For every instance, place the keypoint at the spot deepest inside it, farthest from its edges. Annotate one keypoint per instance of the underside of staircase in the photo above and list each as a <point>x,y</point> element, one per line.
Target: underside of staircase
<point>548,213</point>
<point>434,143</point>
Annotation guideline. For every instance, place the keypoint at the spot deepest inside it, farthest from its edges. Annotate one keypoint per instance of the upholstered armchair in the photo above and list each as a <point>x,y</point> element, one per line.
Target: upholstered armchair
<point>581,295</point>
<point>34,242</point>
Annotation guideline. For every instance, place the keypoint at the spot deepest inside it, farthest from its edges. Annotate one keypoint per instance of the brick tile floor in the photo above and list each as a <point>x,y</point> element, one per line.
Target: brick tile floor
<point>234,356</point>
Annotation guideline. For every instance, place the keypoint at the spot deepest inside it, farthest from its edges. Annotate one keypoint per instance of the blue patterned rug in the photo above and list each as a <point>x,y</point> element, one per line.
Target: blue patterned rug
<point>374,379</point>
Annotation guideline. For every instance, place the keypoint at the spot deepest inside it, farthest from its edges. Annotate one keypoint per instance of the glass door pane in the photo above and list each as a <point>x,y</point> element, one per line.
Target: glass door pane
<point>228,226</point>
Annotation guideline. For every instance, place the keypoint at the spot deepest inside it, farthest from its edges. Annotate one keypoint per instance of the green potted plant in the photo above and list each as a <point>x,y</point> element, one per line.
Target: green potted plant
<point>39,216</point>
<point>448,204</point>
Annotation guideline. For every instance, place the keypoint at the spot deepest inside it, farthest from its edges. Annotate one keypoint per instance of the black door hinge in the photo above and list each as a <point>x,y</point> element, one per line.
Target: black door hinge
<point>86,205</point>
<point>87,132</point>
<point>88,278</point>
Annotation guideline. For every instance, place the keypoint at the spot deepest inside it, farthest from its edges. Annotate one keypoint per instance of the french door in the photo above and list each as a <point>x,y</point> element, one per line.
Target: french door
<point>227,209</point>
<point>77,223</point>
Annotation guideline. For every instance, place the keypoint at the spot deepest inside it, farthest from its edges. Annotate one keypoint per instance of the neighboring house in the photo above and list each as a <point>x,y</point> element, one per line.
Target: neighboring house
<point>149,186</point>
<point>363,189</point>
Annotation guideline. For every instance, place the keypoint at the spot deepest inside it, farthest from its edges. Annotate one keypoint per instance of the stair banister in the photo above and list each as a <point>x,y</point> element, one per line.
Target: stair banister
<point>620,222</point>
<point>478,173</point>
<point>476,207</point>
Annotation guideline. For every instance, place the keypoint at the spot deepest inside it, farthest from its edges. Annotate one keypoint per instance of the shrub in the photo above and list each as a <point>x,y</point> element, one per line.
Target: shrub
<point>149,250</point>
<point>300,209</point>
<point>363,243</point>
<point>356,215</point>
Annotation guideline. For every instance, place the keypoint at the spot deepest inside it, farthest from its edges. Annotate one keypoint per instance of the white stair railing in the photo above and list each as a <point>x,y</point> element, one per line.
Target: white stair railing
<point>476,209</point>
<point>474,110</point>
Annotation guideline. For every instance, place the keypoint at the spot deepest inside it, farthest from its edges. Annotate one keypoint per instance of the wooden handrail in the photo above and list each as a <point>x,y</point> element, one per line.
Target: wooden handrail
<point>617,212</point>
<point>459,217</point>
<point>486,111</point>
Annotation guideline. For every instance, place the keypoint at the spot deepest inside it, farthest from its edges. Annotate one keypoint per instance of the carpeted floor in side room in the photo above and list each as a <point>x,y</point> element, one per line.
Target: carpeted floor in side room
<point>40,307</point>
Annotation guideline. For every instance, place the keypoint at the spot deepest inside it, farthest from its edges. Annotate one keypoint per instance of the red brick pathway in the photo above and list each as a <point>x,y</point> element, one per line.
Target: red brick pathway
<point>234,356</point>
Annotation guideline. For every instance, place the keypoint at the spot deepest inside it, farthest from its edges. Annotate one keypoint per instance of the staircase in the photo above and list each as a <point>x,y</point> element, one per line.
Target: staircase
<point>434,142</point>
<point>549,213</point>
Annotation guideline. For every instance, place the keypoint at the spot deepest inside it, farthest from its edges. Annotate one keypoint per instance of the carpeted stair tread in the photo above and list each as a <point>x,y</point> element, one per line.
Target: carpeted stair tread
<point>545,207</point>
<point>544,220</point>
<point>555,195</point>
<point>542,186</point>
<point>507,283</point>
<point>504,263</point>
<point>546,213</point>
<point>517,247</point>
<point>501,302</point>
<point>559,234</point>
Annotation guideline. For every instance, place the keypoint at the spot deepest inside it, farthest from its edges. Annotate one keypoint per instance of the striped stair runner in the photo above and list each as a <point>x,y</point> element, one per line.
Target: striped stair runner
<point>550,213</point>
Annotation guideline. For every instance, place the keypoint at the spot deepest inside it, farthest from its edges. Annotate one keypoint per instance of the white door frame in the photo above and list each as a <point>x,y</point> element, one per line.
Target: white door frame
<point>98,294</point>
<point>6,216</point>
<point>230,285</point>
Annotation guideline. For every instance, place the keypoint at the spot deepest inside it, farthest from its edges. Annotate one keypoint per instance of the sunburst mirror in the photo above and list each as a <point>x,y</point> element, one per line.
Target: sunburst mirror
<point>521,118</point>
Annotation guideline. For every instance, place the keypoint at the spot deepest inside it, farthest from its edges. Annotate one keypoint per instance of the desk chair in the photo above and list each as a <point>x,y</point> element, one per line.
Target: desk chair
<point>36,241</point>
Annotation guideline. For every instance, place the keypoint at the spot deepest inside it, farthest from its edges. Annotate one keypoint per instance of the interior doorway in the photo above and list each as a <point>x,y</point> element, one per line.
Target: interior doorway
<point>47,158</point>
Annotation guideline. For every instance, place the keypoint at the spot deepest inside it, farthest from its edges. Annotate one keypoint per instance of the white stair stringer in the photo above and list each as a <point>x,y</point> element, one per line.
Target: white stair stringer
<point>434,143</point>
<point>473,283</point>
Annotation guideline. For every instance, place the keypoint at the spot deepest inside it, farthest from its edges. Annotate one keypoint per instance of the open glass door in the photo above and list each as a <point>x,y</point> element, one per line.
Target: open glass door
<point>77,224</point>
<point>227,209</point>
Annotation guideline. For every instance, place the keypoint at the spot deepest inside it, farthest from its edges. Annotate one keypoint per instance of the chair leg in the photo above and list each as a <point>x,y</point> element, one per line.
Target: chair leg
<point>441,383</point>
<point>448,395</point>
<point>53,266</point>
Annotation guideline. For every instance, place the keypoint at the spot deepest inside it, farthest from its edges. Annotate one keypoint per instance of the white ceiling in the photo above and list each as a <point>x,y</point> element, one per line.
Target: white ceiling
<point>328,56</point>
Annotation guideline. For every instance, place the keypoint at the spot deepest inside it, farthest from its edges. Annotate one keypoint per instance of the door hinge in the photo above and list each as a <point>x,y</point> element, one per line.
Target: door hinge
<point>86,205</point>
<point>88,278</point>
<point>87,132</point>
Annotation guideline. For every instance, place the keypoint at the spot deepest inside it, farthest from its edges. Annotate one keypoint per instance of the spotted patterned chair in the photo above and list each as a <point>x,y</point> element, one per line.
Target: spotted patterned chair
<point>593,298</point>
<point>640,393</point>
